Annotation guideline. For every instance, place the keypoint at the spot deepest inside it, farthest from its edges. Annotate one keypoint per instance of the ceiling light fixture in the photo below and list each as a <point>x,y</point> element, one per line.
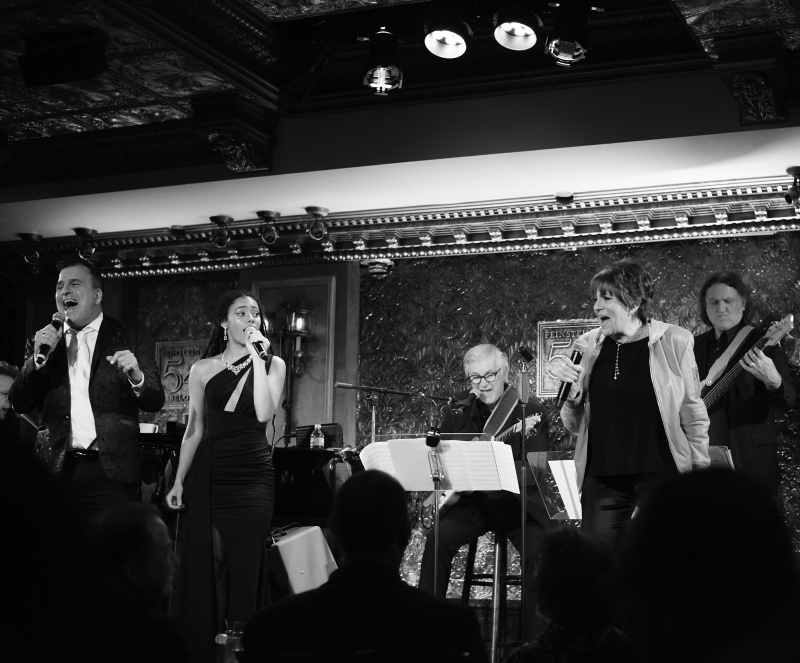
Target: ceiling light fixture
<point>446,36</point>
<point>86,247</point>
<point>30,252</point>
<point>383,74</point>
<point>269,228</point>
<point>569,41</point>
<point>317,229</point>
<point>517,28</point>
<point>793,194</point>
<point>220,235</point>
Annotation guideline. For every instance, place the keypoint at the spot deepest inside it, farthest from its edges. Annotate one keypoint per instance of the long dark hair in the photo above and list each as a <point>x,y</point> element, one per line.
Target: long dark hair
<point>216,345</point>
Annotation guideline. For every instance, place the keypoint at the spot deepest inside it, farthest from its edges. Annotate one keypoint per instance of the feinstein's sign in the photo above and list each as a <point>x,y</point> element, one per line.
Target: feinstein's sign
<point>174,360</point>
<point>556,340</point>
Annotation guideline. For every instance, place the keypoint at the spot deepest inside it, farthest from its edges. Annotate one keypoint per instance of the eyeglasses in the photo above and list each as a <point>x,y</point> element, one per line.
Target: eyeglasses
<point>489,377</point>
<point>4,394</point>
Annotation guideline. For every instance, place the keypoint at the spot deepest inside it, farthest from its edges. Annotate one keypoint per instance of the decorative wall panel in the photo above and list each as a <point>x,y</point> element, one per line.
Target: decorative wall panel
<point>417,323</point>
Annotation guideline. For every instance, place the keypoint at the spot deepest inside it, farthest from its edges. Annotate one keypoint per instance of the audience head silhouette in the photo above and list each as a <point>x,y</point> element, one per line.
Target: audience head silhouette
<point>370,517</point>
<point>574,581</point>
<point>708,571</point>
<point>135,553</point>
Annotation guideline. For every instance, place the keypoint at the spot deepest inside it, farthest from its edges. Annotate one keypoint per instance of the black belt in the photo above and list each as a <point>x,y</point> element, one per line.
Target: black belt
<point>84,454</point>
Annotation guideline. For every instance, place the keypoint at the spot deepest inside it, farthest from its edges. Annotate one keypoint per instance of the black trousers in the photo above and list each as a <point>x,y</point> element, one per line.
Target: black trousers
<point>466,520</point>
<point>93,492</point>
<point>608,502</point>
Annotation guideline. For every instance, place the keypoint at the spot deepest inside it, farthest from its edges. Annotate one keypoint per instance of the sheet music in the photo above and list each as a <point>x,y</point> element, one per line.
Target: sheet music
<point>410,458</point>
<point>376,456</point>
<point>566,477</point>
<point>470,465</point>
<point>506,469</point>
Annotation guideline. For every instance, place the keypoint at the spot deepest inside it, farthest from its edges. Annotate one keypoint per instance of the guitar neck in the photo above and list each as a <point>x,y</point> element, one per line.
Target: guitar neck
<point>719,389</point>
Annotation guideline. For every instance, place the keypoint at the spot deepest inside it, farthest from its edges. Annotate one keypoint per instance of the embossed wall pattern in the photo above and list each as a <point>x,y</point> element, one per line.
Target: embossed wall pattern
<point>417,323</point>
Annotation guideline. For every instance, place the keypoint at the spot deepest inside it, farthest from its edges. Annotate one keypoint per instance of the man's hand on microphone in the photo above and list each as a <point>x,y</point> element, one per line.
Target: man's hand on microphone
<point>46,336</point>
<point>126,361</point>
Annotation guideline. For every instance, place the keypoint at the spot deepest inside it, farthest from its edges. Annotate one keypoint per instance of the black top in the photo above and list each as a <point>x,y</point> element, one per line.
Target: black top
<point>626,433</point>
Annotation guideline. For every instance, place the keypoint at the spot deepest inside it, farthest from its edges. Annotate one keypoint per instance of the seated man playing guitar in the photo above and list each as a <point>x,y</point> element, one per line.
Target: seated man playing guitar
<point>491,406</point>
<point>743,385</point>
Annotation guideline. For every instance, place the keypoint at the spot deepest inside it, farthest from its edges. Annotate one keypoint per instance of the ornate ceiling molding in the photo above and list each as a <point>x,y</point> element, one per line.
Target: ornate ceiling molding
<point>702,212</point>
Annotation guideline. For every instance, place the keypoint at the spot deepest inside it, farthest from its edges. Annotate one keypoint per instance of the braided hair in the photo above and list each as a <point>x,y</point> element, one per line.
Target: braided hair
<point>216,344</point>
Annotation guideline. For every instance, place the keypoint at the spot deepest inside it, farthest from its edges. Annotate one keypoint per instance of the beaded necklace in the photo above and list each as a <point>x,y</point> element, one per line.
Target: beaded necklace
<point>237,368</point>
<point>633,338</point>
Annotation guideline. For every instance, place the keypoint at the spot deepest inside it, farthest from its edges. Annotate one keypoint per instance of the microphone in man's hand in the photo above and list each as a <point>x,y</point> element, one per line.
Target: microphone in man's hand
<point>563,390</point>
<point>258,344</point>
<point>44,348</point>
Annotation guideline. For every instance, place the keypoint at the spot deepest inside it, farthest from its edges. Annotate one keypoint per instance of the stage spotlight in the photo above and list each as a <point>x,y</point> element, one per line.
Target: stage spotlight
<point>517,28</point>
<point>269,230</point>
<point>317,229</point>
<point>446,36</point>
<point>569,41</point>
<point>793,194</point>
<point>220,235</point>
<point>86,247</point>
<point>30,251</point>
<point>383,74</point>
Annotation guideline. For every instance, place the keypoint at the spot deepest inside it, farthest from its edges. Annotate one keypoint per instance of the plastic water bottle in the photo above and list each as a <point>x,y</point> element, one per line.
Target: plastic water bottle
<point>317,438</point>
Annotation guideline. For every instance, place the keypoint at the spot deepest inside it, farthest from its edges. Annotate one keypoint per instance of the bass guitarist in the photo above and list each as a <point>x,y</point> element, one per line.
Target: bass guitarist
<point>744,417</point>
<point>486,369</point>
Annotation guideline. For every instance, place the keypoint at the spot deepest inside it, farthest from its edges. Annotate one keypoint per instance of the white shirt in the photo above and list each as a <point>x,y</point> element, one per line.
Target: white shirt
<point>82,427</point>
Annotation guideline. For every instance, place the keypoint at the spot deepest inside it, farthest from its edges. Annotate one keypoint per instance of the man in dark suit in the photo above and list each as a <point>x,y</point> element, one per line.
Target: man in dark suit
<point>88,390</point>
<point>486,367</point>
<point>744,418</point>
<point>365,605</point>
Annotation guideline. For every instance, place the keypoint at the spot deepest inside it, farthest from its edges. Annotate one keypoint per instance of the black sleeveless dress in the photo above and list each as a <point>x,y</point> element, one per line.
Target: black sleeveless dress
<point>229,495</point>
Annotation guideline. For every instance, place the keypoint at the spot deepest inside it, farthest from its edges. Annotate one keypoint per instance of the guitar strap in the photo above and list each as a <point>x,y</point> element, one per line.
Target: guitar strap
<point>502,411</point>
<point>722,363</point>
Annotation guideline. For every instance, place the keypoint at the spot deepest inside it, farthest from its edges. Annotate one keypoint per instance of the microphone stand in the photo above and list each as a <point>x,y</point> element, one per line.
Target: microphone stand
<point>523,391</point>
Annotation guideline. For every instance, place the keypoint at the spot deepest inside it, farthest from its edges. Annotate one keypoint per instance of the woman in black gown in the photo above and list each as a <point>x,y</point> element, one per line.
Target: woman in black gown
<point>225,477</point>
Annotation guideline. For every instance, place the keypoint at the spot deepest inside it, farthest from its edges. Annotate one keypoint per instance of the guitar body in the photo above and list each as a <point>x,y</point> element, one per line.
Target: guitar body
<point>743,417</point>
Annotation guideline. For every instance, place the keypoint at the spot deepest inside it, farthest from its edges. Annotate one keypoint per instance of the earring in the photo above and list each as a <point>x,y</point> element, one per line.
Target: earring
<point>224,333</point>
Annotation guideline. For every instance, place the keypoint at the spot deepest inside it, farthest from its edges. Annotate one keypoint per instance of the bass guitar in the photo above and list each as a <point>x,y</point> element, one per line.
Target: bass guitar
<point>775,333</point>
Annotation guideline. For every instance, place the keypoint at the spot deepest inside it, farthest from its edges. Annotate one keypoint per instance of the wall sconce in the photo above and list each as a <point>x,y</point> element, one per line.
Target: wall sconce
<point>220,235</point>
<point>269,229</point>
<point>291,348</point>
<point>317,229</point>
<point>86,245</point>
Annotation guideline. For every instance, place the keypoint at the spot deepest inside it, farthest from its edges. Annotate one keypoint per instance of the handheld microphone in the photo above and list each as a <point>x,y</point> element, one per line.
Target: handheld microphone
<point>563,390</point>
<point>261,349</point>
<point>44,348</point>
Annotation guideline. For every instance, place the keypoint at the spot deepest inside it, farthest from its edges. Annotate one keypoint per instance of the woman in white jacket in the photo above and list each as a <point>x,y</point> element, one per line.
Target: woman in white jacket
<point>634,404</point>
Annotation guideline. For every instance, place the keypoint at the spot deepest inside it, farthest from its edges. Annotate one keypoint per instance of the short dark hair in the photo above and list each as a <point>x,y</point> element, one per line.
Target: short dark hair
<point>8,370</point>
<point>574,580</point>
<point>371,513</point>
<point>124,533</point>
<point>732,280</point>
<point>97,277</point>
<point>628,282</point>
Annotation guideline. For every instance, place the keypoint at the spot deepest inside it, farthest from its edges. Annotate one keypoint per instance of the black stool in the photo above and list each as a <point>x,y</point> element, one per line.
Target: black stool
<point>498,580</point>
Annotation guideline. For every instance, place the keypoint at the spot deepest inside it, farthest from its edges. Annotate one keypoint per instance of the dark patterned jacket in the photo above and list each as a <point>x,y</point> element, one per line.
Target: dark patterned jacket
<point>114,403</point>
